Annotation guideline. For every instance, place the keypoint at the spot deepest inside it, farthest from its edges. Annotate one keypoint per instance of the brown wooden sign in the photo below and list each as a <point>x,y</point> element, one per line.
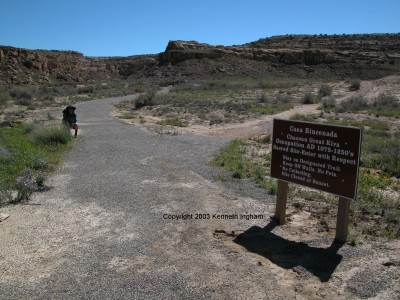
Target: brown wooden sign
<point>324,157</point>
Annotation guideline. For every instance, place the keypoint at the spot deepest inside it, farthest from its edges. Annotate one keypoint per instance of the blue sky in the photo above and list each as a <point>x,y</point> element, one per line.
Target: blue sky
<point>123,27</point>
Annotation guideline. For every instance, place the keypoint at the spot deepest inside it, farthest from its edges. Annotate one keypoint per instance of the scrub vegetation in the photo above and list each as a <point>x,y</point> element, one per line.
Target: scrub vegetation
<point>27,154</point>
<point>376,212</point>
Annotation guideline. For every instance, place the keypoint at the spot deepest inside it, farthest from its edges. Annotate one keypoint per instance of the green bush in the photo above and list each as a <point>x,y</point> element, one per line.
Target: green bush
<point>52,135</point>
<point>233,158</point>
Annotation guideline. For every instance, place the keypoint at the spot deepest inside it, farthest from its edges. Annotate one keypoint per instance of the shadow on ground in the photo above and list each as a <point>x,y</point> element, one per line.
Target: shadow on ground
<point>321,262</point>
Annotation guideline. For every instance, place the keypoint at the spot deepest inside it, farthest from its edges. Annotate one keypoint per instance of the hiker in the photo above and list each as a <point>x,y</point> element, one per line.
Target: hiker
<point>69,118</point>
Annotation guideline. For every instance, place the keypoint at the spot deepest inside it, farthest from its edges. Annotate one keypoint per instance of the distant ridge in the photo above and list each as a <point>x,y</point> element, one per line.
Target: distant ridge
<point>355,55</point>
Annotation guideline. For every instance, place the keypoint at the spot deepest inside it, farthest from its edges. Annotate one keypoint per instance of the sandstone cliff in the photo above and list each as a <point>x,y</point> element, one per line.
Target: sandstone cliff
<point>363,56</point>
<point>23,66</point>
<point>338,52</point>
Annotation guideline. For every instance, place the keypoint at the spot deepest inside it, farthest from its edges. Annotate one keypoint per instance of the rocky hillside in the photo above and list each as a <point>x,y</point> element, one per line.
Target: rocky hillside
<point>362,56</point>
<point>22,66</point>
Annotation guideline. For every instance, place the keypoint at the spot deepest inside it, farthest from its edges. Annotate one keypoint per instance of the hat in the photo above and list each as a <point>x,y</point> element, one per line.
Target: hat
<point>70,106</point>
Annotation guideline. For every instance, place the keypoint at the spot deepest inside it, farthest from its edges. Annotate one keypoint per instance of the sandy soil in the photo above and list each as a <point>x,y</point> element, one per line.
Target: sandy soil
<point>298,260</point>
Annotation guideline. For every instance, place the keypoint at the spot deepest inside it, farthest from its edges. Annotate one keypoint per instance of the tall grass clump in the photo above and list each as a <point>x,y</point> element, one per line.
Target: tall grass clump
<point>52,135</point>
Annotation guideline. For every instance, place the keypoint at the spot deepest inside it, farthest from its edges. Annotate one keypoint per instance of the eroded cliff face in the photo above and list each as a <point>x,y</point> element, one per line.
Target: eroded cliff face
<point>295,50</point>
<point>364,56</point>
<point>23,66</point>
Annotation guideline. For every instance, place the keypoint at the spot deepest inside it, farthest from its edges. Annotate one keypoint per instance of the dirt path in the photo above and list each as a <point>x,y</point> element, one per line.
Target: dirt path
<point>106,229</point>
<point>250,128</point>
<point>120,223</point>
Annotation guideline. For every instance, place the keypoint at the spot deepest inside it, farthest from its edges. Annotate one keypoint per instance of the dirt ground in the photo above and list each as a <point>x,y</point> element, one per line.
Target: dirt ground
<point>368,269</point>
<point>301,255</point>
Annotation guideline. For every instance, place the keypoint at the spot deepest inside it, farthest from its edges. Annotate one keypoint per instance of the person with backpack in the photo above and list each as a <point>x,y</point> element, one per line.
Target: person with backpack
<point>69,118</point>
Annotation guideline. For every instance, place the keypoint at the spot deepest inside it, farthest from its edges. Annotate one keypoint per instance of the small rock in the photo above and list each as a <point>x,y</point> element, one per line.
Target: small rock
<point>391,263</point>
<point>3,217</point>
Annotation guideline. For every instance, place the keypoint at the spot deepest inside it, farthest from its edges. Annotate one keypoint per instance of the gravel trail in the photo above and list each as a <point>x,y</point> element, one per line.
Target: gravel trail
<point>105,230</point>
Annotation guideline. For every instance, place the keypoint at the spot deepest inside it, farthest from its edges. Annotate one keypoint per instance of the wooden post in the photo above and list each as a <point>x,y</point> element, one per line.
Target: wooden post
<point>342,222</point>
<point>281,199</point>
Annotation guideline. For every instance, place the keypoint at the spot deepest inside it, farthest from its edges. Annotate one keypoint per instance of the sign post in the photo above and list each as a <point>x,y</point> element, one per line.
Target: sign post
<point>342,221</point>
<point>319,156</point>
<point>281,199</point>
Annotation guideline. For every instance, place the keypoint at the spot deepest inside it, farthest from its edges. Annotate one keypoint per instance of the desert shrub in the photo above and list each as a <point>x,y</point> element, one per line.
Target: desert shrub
<point>355,85</point>
<point>24,102</point>
<point>391,157</point>
<point>300,117</point>
<point>4,98</point>
<point>262,98</point>
<point>124,104</point>
<point>25,184</point>
<point>355,103</point>
<point>325,90</point>
<point>5,154</point>
<point>128,115</point>
<point>145,100</point>
<point>29,181</point>
<point>310,99</point>
<point>52,135</point>
<point>30,127</point>
<point>329,103</point>
<point>263,139</point>
<point>41,164</point>
<point>284,98</point>
<point>5,194</point>
<point>85,90</point>
<point>386,105</point>
<point>20,93</point>
<point>384,100</point>
<point>173,122</point>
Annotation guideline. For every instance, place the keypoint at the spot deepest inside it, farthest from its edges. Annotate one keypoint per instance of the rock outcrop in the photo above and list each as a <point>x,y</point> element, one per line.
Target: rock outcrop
<point>23,66</point>
<point>363,55</point>
<point>295,50</point>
